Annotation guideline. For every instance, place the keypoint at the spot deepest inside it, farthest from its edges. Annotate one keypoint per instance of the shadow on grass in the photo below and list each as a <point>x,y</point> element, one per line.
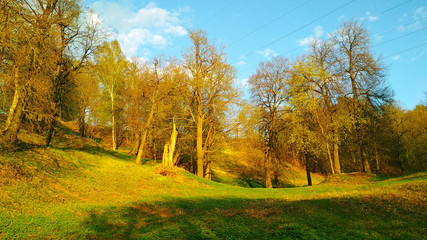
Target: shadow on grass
<point>237,218</point>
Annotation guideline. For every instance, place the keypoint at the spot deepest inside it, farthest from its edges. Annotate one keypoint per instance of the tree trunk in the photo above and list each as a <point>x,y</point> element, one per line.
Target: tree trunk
<point>144,133</point>
<point>208,174</point>
<point>377,158</point>
<point>337,165</point>
<point>169,149</point>
<point>199,147</point>
<point>165,155</point>
<point>267,171</point>
<point>135,148</point>
<point>365,162</point>
<point>141,146</point>
<point>328,148</point>
<point>307,169</point>
<point>52,123</point>
<point>113,121</point>
<point>277,180</point>
<point>51,131</point>
<point>13,121</point>
<point>82,126</point>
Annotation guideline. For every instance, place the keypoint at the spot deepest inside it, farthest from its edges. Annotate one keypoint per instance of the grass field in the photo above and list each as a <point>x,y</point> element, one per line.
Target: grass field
<point>81,190</point>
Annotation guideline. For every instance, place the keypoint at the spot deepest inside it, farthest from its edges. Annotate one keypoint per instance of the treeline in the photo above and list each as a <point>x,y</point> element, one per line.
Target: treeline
<point>329,110</point>
<point>332,110</point>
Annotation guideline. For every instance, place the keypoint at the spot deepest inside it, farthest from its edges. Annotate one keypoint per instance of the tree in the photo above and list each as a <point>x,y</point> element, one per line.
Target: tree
<point>210,85</point>
<point>269,87</point>
<point>38,39</point>
<point>316,73</point>
<point>27,60</point>
<point>111,70</point>
<point>363,75</point>
<point>86,95</point>
<point>161,81</point>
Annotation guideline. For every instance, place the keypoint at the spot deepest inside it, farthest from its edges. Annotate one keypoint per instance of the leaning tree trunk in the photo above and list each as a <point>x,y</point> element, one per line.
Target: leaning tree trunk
<point>51,131</point>
<point>144,133</point>
<point>9,134</point>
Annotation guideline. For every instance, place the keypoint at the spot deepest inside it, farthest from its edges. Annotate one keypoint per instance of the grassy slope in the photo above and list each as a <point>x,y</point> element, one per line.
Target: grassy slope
<point>80,190</point>
<point>231,167</point>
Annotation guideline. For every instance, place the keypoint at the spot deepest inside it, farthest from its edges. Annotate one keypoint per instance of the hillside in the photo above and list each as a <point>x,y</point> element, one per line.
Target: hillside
<point>77,189</point>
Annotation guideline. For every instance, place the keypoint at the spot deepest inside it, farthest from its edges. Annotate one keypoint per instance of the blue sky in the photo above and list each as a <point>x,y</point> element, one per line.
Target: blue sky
<point>254,31</point>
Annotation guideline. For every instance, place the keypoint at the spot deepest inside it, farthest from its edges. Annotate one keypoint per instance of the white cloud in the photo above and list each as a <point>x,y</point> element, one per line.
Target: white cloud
<point>341,18</point>
<point>317,33</point>
<point>368,17</point>
<point>150,26</point>
<point>377,38</point>
<point>243,83</point>
<point>395,58</point>
<point>94,18</point>
<point>419,17</point>
<point>241,61</point>
<point>267,53</point>
<point>305,41</point>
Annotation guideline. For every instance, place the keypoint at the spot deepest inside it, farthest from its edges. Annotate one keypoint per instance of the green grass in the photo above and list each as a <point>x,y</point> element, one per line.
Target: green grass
<point>81,190</point>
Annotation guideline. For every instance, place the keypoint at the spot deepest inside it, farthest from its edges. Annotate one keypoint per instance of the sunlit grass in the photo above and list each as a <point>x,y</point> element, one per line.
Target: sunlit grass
<point>85,191</point>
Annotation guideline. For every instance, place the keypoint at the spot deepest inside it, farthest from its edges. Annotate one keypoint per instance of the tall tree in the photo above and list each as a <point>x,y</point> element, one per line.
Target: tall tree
<point>111,71</point>
<point>210,85</point>
<point>363,75</point>
<point>316,72</point>
<point>269,87</point>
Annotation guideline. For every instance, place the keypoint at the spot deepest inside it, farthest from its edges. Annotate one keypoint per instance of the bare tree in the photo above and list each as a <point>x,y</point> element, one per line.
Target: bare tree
<point>269,90</point>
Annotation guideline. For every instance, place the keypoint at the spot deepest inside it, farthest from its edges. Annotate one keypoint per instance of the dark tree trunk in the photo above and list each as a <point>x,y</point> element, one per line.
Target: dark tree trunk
<point>307,169</point>
<point>267,171</point>
<point>365,163</point>
<point>50,132</point>
<point>277,180</point>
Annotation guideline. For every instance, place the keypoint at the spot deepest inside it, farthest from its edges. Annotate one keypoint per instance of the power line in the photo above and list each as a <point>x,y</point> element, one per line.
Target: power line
<point>268,23</point>
<point>385,11</point>
<point>393,39</point>
<point>404,26</point>
<point>305,25</point>
<point>217,13</point>
<point>393,7</point>
<point>406,50</point>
